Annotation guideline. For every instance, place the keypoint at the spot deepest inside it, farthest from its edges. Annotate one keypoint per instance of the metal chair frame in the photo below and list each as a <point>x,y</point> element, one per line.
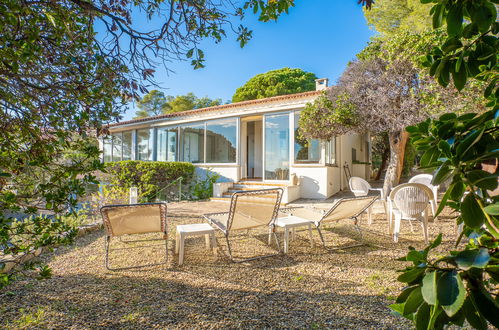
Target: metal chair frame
<point>109,232</point>
<point>355,217</point>
<point>230,215</point>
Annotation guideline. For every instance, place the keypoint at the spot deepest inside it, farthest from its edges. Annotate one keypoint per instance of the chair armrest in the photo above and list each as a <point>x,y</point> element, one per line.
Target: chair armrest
<point>355,192</point>
<point>381,192</point>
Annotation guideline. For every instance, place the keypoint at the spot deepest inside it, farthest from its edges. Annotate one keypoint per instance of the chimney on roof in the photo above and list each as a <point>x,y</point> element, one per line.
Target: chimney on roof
<point>321,84</point>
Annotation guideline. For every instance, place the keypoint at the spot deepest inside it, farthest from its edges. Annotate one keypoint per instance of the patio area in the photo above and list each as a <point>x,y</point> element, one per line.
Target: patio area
<point>309,287</point>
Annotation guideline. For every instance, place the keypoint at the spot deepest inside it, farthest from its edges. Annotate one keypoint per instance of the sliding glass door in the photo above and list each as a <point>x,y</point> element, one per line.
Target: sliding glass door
<point>277,147</point>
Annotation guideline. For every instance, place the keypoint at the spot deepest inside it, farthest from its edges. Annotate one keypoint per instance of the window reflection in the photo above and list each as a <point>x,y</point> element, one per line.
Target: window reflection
<point>306,150</point>
<point>192,143</point>
<point>277,147</point>
<point>145,144</point>
<point>221,141</point>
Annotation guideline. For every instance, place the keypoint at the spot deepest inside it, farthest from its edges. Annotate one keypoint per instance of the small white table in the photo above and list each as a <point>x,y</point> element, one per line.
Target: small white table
<point>291,222</point>
<point>197,229</point>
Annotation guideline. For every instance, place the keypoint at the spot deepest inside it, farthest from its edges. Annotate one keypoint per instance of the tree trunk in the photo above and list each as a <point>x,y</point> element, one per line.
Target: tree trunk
<point>397,142</point>
<point>384,158</point>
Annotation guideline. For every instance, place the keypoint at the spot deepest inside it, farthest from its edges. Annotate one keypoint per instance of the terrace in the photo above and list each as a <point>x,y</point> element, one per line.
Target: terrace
<point>309,287</point>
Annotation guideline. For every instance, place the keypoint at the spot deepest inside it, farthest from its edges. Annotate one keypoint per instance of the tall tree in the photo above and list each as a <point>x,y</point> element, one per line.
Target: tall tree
<point>152,104</point>
<point>391,16</point>
<point>276,82</point>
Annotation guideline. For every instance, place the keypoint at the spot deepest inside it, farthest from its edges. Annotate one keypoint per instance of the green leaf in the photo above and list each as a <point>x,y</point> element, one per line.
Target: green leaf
<point>472,258</point>
<point>457,190</point>
<point>455,20</point>
<point>429,157</point>
<point>429,288</point>
<point>471,212</point>
<point>482,179</point>
<point>486,306</point>
<point>405,293</point>
<point>468,142</point>
<point>492,209</point>
<point>397,308</point>
<point>451,44</point>
<point>443,202</point>
<point>414,300</point>
<point>438,15</point>
<point>459,77</point>
<point>472,315</point>
<point>451,292</point>
<point>411,275</point>
<point>442,173</point>
<point>423,317</point>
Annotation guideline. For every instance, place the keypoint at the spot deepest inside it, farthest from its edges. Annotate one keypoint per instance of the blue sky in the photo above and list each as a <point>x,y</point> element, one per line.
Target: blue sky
<point>319,36</point>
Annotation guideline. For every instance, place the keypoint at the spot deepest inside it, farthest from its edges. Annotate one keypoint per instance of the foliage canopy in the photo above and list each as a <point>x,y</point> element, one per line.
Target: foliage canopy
<point>276,82</point>
<point>155,103</point>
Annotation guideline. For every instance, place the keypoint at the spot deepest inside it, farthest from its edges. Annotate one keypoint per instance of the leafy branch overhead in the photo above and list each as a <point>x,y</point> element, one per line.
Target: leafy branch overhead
<point>471,48</point>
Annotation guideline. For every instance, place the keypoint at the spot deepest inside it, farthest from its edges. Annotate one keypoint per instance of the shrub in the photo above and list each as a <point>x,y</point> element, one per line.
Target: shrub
<point>149,177</point>
<point>203,188</point>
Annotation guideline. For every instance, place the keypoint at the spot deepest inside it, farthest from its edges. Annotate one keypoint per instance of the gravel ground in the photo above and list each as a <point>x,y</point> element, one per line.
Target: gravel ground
<point>308,288</point>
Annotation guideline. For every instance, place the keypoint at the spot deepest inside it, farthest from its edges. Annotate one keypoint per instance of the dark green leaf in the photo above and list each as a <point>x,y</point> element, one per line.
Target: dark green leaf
<point>472,258</point>
<point>429,157</point>
<point>482,179</point>
<point>411,275</point>
<point>438,15</point>
<point>472,316</point>
<point>414,300</point>
<point>471,212</point>
<point>405,293</point>
<point>455,20</point>
<point>486,306</point>
<point>459,77</point>
<point>423,317</point>
<point>443,202</point>
<point>442,173</point>
<point>468,142</point>
<point>451,292</point>
<point>451,44</point>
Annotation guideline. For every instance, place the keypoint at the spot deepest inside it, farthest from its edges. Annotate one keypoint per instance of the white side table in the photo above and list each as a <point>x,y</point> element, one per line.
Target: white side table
<point>291,222</point>
<point>197,229</point>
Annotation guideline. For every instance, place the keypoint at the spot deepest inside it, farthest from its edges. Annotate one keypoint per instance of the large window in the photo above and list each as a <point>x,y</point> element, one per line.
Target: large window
<point>127,145</point>
<point>277,147</point>
<point>331,152</point>
<point>306,150</point>
<point>117,147</point>
<point>192,143</point>
<point>221,141</point>
<point>167,144</point>
<point>107,148</point>
<point>145,144</point>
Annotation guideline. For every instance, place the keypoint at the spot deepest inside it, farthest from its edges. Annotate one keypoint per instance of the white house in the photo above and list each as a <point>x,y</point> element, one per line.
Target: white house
<point>252,143</point>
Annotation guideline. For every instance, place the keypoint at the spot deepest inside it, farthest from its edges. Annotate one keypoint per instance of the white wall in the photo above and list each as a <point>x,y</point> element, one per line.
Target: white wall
<point>227,172</point>
<point>313,180</point>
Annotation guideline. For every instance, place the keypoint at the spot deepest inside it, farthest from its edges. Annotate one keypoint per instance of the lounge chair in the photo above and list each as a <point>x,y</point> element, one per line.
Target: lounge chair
<point>345,208</point>
<point>131,219</point>
<point>360,187</point>
<point>248,210</point>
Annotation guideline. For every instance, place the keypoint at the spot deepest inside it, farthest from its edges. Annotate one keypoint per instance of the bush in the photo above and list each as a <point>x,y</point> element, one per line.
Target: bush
<point>149,177</point>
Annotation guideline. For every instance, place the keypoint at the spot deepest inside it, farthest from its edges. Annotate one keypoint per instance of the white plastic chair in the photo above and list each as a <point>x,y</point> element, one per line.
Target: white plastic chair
<point>409,201</point>
<point>426,180</point>
<point>360,187</point>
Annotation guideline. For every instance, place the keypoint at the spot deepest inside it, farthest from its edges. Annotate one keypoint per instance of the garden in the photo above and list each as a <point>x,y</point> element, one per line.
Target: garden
<point>425,86</point>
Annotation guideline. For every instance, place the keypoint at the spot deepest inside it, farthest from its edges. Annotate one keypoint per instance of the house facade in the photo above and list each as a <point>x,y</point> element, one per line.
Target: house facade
<point>253,141</point>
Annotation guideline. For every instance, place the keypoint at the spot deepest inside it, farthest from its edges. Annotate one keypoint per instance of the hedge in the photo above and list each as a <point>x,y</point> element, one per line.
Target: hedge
<point>148,176</point>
